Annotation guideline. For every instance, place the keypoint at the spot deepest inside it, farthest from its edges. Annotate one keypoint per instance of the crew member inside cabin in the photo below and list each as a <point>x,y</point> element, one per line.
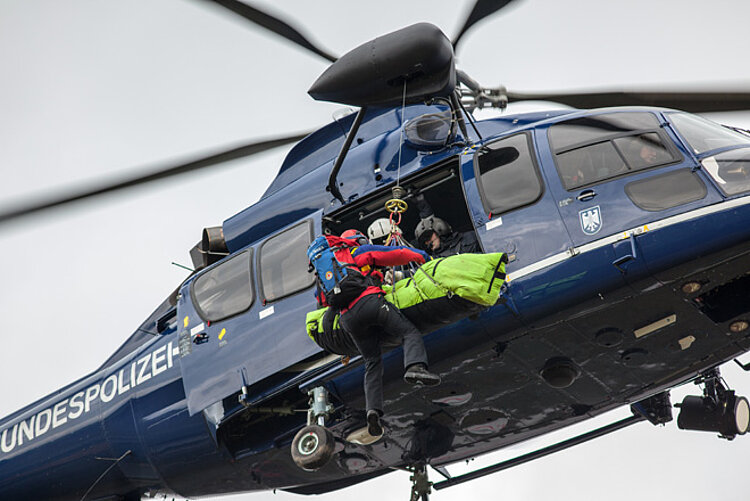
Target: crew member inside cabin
<point>373,323</point>
<point>437,237</point>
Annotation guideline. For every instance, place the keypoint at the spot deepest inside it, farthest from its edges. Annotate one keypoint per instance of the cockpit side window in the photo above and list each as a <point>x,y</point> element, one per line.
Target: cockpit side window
<point>226,289</point>
<point>594,148</point>
<point>507,174</point>
<point>730,169</point>
<point>283,262</point>
<point>704,135</point>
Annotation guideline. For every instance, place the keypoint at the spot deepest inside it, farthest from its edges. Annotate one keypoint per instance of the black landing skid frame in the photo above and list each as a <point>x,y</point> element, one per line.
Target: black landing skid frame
<point>656,409</point>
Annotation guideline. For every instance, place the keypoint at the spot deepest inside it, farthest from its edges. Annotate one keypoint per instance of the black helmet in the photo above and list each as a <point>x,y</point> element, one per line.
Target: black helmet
<point>426,226</point>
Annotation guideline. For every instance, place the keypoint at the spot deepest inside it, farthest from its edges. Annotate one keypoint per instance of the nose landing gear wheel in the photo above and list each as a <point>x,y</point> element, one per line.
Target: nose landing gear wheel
<point>312,447</point>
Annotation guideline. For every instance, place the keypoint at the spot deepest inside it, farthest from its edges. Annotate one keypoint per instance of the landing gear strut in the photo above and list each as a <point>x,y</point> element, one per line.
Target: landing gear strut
<point>313,446</point>
<point>718,410</point>
<point>420,484</point>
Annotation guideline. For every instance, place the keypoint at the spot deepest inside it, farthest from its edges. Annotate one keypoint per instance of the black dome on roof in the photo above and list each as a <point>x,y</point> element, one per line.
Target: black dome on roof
<point>374,73</point>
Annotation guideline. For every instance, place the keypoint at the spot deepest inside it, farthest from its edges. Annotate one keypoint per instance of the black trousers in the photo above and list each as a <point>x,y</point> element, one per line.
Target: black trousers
<point>374,324</point>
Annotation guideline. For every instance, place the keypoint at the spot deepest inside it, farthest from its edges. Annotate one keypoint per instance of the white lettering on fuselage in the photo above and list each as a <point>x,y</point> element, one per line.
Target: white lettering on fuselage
<point>70,409</point>
<point>142,375</point>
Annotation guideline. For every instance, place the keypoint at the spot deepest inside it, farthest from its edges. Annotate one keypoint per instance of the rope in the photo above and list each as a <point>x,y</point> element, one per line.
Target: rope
<point>449,293</point>
<point>401,138</point>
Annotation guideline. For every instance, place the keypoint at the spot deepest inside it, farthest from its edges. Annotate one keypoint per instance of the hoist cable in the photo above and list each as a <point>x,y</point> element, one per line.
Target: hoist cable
<point>401,136</point>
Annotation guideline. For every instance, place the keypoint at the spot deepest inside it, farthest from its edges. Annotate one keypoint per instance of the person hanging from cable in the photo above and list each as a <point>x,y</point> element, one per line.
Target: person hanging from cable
<point>343,266</point>
<point>437,237</point>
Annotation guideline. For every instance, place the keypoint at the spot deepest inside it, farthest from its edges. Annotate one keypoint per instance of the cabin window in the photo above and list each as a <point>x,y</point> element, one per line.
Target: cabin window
<point>226,289</point>
<point>591,149</point>
<point>508,175</point>
<point>704,135</point>
<point>656,193</point>
<point>283,262</point>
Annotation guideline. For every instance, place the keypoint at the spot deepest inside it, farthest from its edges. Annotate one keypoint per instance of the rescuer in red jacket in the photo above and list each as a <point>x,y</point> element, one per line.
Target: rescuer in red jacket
<point>374,323</point>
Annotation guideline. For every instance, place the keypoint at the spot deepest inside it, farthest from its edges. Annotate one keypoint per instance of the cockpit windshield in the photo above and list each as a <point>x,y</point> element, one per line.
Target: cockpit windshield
<point>704,135</point>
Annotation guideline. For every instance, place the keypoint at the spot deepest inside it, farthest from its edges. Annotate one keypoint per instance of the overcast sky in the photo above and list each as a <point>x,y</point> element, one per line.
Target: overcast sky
<point>93,88</point>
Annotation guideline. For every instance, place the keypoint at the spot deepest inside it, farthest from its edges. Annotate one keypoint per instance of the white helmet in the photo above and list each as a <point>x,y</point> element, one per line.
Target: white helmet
<point>381,228</point>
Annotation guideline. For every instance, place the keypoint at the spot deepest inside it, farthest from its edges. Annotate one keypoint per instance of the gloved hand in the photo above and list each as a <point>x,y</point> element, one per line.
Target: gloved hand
<point>423,205</point>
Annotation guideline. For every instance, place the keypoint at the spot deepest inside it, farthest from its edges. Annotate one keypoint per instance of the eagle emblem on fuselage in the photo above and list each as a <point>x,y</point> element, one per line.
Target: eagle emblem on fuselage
<point>591,220</point>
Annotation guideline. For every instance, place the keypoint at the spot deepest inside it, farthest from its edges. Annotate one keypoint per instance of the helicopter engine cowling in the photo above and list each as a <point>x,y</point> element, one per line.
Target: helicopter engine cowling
<point>374,73</point>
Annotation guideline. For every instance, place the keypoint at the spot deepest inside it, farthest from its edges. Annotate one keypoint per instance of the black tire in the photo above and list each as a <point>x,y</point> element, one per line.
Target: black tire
<point>312,447</point>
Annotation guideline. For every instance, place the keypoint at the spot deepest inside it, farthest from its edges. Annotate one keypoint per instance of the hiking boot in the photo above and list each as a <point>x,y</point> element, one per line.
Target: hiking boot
<point>374,428</point>
<point>418,374</point>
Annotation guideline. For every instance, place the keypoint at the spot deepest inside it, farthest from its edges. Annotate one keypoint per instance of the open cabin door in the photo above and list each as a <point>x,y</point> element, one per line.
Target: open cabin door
<point>242,320</point>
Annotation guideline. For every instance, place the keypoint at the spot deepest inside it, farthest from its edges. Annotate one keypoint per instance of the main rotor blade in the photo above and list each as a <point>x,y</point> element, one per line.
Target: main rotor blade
<point>482,9</point>
<point>273,24</point>
<point>695,102</point>
<point>74,195</point>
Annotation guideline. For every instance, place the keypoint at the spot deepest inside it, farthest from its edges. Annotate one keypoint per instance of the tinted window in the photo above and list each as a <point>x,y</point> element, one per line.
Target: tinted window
<point>224,290</point>
<point>283,262</point>
<point>704,135</point>
<point>591,149</point>
<point>507,173</point>
<point>661,192</point>
<point>589,164</point>
<point>593,129</point>
<point>643,150</point>
<point>730,170</point>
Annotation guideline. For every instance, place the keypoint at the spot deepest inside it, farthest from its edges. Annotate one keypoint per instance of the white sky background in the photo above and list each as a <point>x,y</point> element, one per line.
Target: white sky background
<point>91,88</point>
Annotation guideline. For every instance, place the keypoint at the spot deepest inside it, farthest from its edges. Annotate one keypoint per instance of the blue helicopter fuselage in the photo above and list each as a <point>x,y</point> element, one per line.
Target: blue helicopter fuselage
<point>598,264</point>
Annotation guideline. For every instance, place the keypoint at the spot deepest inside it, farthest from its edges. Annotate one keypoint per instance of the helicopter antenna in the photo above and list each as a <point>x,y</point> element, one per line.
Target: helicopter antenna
<point>183,266</point>
<point>115,462</point>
